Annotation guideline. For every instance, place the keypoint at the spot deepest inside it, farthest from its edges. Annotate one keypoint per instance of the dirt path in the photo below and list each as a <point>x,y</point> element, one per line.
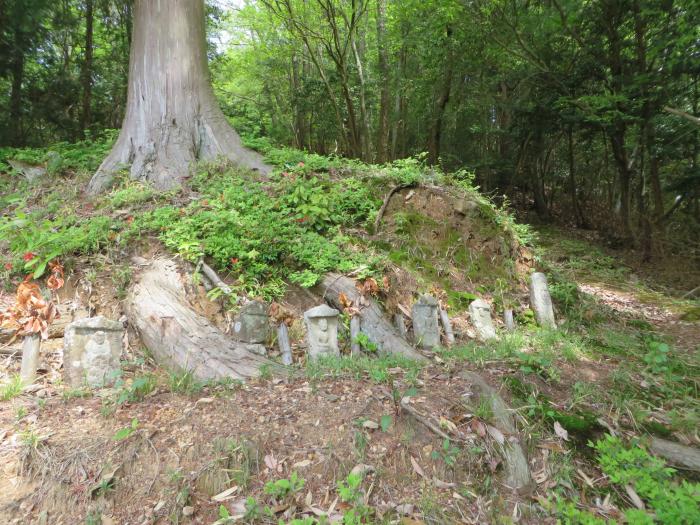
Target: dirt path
<point>685,334</point>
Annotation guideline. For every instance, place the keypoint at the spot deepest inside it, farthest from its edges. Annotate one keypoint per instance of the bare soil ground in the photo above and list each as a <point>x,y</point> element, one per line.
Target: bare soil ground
<point>191,450</point>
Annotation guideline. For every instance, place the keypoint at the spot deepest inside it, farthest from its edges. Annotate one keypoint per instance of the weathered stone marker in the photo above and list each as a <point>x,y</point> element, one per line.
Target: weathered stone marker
<point>541,301</point>
<point>400,325</point>
<point>354,334</point>
<point>91,350</point>
<point>30,358</point>
<point>426,329</point>
<point>322,331</point>
<point>480,313</point>
<point>252,325</point>
<point>447,327</point>
<point>509,320</point>
<point>283,342</point>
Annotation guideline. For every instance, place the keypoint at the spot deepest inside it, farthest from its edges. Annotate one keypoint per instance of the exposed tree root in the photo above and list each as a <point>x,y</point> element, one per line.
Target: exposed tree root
<point>373,324</point>
<point>517,471</point>
<point>678,455</point>
<point>180,338</point>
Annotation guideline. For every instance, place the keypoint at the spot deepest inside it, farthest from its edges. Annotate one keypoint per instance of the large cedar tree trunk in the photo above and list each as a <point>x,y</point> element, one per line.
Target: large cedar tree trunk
<point>172,117</point>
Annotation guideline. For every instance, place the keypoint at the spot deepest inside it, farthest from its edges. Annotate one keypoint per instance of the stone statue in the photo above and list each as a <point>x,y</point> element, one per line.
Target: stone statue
<point>97,359</point>
<point>322,331</point>
<point>91,350</point>
<point>480,313</point>
<point>252,324</point>
<point>426,329</point>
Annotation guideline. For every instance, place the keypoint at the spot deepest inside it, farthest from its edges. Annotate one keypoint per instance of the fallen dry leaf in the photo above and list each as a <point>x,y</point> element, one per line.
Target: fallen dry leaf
<point>496,434</point>
<point>417,468</point>
<point>561,431</point>
<point>447,424</point>
<point>270,462</point>
<point>225,495</point>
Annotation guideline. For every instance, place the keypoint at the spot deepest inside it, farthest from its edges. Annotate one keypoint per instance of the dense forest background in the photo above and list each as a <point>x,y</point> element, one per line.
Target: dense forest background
<point>583,112</point>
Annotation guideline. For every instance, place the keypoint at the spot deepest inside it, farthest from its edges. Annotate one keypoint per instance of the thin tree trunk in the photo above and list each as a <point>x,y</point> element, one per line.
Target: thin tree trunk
<point>85,116</point>
<point>443,97</point>
<point>16,133</point>
<point>383,66</point>
<point>364,115</point>
<point>172,118</point>
<point>299,116</point>
<point>617,141</point>
<point>355,137</point>
<point>578,216</point>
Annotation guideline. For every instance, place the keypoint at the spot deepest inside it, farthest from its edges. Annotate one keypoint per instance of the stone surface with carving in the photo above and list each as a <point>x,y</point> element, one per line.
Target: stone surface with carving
<point>322,331</point>
<point>252,325</point>
<point>426,329</point>
<point>480,313</point>
<point>91,351</point>
<point>541,301</point>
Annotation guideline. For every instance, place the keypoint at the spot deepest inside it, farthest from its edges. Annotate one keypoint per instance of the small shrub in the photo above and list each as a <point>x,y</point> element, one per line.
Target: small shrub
<point>672,502</point>
<point>283,488</point>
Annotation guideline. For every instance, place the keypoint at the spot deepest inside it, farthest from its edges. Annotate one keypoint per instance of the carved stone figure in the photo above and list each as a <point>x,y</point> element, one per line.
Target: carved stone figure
<point>96,359</point>
<point>322,331</point>
<point>91,351</point>
<point>480,313</point>
<point>426,329</point>
<point>252,324</point>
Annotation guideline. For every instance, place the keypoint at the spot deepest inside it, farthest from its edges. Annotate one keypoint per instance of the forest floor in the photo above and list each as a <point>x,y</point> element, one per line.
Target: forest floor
<point>333,441</point>
<point>163,448</point>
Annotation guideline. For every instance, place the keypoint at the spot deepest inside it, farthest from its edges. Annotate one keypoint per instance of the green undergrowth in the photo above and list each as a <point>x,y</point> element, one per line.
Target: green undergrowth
<point>311,217</point>
<point>378,369</point>
<point>61,158</point>
<point>630,468</point>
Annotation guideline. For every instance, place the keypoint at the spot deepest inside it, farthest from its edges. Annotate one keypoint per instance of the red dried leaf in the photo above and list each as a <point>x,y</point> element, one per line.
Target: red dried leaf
<point>344,301</point>
<point>368,287</point>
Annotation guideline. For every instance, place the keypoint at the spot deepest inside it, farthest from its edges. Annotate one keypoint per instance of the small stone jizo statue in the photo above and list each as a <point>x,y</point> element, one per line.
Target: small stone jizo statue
<point>480,313</point>
<point>252,324</point>
<point>91,350</point>
<point>96,359</point>
<point>426,329</point>
<point>322,331</point>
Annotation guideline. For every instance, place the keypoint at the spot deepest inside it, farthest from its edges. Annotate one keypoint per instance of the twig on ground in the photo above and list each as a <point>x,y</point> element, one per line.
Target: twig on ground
<point>426,421</point>
<point>388,197</point>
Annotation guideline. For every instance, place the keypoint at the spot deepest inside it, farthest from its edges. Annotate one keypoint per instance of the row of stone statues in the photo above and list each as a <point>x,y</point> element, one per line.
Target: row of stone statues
<point>92,347</point>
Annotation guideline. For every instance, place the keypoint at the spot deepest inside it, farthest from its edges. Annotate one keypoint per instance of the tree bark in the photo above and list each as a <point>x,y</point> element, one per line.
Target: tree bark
<point>687,458</point>
<point>578,216</point>
<point>180,338</point>
<point>366,140</point>
<point>517,470</point>
<point>372,321</point>
<point>383,66</point>
<point>435,137</point>
<point>16,135</point>
<point>172,118</point>
<point>85,116</point>
<point>297,106</point>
